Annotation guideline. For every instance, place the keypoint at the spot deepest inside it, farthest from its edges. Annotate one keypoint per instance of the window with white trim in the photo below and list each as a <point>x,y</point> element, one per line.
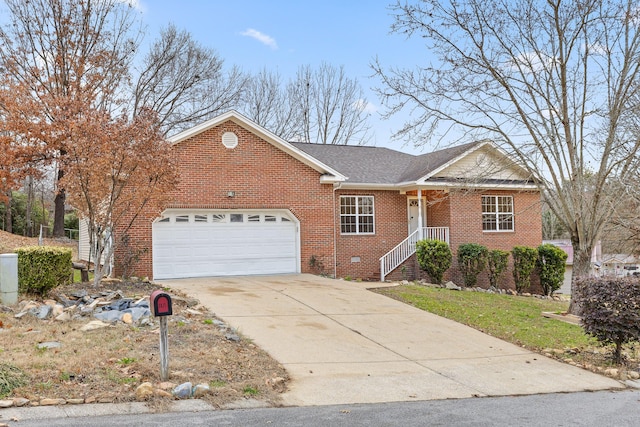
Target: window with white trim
<point>356,215</point>
<point>497,213</point>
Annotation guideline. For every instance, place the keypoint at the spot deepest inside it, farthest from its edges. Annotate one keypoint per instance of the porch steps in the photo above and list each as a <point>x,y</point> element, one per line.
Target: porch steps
<point>398,255</point>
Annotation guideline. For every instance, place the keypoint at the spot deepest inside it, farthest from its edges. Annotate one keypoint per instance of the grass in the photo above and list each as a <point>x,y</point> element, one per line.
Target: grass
<point>77,278</point>
<point>517,320</point>
<point>108,364</point>
<point>250,391</point>
<point>11,377</point>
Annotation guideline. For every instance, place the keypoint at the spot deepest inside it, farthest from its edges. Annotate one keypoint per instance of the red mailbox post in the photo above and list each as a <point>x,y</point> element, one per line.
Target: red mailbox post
<point>161,307</point>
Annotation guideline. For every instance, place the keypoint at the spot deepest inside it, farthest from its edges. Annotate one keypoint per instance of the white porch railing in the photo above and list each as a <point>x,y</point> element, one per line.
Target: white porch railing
<point>396,256</point>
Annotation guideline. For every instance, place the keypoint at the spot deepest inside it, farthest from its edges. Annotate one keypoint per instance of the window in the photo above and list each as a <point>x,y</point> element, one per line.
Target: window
<point>200,218</point>
<point>182,218</point>
<point>253,218</point>
<point>236,218</point>
<point>218,218</point>
<point>356,215</point>
<point>497,213</point>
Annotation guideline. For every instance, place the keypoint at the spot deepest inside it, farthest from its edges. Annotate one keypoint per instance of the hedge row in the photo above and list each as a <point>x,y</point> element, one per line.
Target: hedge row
<point>434,257</point>
<point>42,268</point>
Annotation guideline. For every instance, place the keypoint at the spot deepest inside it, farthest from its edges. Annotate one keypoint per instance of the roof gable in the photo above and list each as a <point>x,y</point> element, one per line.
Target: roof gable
<point>482,161</point>
<point>329,173</point>
<point>479,161</point>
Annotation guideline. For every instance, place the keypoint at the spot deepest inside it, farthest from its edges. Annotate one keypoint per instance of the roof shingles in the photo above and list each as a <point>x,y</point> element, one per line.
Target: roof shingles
<point>379,165</point>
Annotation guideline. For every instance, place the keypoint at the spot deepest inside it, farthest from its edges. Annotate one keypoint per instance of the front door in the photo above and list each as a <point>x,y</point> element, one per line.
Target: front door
<point>412,210</point>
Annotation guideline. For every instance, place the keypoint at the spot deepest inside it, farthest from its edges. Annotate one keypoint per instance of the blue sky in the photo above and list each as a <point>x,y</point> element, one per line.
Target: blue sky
<point>282,35</point>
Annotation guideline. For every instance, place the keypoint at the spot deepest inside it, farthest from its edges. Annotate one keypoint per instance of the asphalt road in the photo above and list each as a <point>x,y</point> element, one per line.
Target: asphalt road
<point>621,408</point>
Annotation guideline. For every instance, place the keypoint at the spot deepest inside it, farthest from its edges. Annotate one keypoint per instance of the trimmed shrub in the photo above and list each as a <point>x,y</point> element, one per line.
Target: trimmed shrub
<point>551,265</point>
<point>497,261</point>
<point>472,260</point>
<point>434,257</point>
<point>524,262</point>
<point>42,268</point>
<point>611,310</point>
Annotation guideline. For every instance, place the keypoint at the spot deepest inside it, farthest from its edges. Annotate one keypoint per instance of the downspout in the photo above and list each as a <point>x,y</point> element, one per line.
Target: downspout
<point>336,186</point>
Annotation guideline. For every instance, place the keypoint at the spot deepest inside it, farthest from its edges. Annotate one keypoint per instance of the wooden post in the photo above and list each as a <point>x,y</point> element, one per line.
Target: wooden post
<point>164,349</point>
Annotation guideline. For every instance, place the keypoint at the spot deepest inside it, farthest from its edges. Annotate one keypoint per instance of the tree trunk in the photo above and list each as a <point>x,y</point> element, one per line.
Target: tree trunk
<point>58,213</point>
<point>7,214</point>
<point>581,268</point>
<point>28,223</point>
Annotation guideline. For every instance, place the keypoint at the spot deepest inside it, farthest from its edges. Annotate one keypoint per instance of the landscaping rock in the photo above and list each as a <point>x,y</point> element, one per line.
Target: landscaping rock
<point>200,390</point>
<point>6,403</point>
<point>144,391</point>
<point>95,324</point>
<point>52,402</point>
<point>232,337</point>
<point>20,401</point>
<point>64,317</point>
<point>452,286</point>
<point>612,372</point>
<point>43,312</point>
<point>183,391</point>
<point>48,345</point>
<point>127,318</point>
<point>57,310</point>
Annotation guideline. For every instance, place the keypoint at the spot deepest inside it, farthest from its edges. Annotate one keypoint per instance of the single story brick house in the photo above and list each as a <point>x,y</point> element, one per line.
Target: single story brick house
<point>249,202</point>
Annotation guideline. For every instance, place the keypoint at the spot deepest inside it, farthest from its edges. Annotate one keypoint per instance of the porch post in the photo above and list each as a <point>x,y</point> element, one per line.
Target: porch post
<point>420,223</point>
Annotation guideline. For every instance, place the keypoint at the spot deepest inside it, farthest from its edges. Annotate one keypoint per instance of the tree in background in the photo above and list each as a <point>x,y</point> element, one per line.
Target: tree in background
<point>60,53</point>
<point>556,84</point>
<point>266,102</point>
<point>321,106</point>
<point>184,82</point>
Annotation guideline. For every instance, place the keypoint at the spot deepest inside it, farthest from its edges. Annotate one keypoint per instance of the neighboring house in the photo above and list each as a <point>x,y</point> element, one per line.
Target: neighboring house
<point>85,252</point>
<point>249,202</point>
<point>620,265</point>
<point>596,262</point>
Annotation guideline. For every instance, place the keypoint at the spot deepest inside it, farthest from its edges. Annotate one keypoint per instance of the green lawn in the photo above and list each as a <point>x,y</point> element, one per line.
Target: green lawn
<point>77,277</point>
<point>512,318</point>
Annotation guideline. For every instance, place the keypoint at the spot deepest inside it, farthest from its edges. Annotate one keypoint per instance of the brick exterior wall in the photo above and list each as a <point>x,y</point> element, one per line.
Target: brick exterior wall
<point>262,176</point>
<point>390,209</point>
<point>464,212</point>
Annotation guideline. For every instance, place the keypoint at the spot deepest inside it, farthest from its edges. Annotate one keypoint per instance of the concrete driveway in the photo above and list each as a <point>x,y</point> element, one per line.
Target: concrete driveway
<point>344,344</point>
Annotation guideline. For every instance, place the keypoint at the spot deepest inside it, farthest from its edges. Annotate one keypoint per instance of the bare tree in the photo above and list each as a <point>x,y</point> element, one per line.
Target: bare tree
<point>333,106</point>
<point>266,102</point>
<point>320,106</point>
<point>56,49</point>
<point>550,81</point>
<point>184,82</point>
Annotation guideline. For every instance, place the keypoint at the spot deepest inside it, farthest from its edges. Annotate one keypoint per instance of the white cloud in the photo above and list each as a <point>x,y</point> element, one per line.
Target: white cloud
<point>262,38</point>
<point>136,4</point>
<point>364,105</point>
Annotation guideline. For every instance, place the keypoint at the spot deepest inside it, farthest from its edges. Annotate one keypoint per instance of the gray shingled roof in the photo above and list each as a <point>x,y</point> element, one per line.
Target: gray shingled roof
<point>379,165</point>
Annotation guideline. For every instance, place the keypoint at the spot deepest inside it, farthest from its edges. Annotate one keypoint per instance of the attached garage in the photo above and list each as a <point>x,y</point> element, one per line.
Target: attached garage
<point>200,243</point>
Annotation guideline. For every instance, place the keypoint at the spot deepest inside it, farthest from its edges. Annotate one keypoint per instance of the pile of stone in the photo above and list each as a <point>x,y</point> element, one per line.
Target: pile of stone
<point>107,307</point>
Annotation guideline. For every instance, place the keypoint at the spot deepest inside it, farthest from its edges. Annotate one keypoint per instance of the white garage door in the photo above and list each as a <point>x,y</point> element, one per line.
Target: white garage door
<point>224,243</point>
